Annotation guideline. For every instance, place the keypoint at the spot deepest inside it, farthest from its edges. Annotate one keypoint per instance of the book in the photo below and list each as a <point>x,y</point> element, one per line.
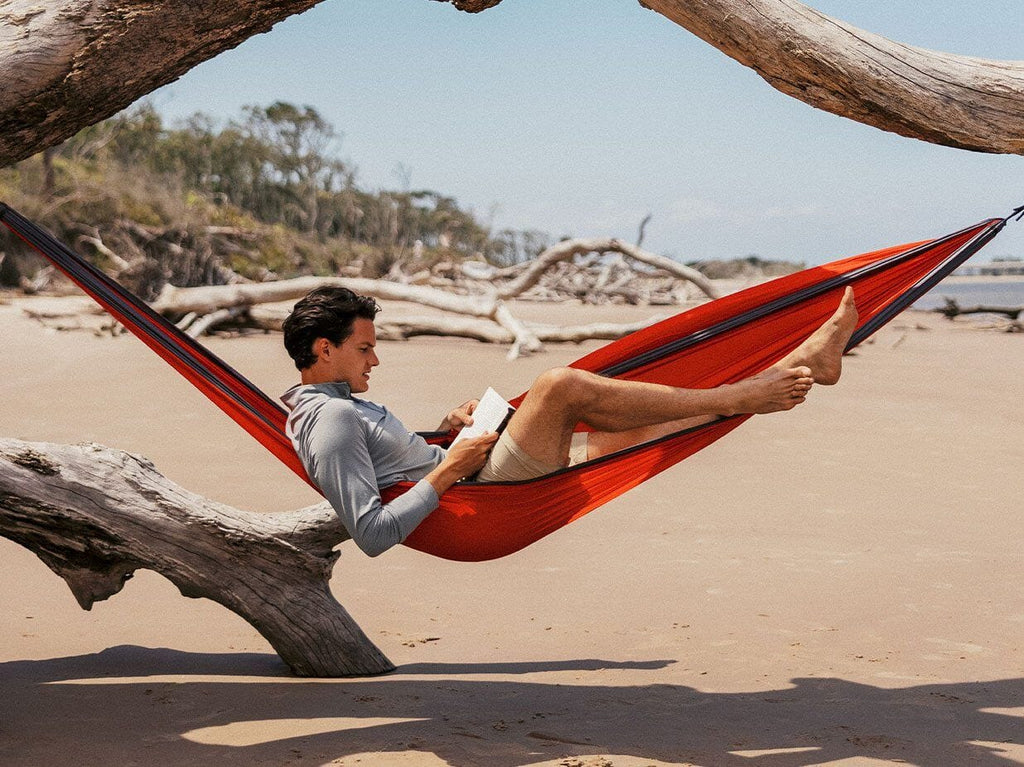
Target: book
<point>491,414</point>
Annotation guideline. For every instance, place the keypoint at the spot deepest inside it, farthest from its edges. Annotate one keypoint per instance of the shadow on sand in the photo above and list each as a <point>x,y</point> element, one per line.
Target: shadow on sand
<point>132,705</point>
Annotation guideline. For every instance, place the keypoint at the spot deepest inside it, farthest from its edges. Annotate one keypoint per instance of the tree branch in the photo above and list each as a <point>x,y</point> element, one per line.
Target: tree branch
<point>942,98</point>
<point>67,64</point>
<point>568,249</point>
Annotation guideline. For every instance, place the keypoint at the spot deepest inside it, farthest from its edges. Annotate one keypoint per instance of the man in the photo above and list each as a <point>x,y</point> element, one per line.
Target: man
<point>351,447</point>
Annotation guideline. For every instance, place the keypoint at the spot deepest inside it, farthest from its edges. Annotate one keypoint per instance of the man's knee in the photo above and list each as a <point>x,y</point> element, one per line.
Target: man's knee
<point>563,384</point>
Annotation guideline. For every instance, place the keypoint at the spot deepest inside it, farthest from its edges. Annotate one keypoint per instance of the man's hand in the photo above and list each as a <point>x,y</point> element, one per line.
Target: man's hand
<point>463,460</point>
<point>459,417</point>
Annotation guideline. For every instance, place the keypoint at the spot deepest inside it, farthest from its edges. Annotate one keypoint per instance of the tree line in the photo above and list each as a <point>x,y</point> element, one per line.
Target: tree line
<point>265,193</point>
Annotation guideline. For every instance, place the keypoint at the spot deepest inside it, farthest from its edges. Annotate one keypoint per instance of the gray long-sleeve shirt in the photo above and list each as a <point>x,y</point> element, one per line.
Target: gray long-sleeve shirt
<point>351,449</point>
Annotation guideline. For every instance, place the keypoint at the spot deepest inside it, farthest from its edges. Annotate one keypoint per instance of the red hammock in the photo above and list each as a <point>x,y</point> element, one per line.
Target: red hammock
<point>720,342</point>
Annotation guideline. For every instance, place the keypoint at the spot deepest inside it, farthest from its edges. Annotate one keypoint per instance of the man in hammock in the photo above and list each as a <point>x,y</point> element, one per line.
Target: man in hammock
<point>351,447</point>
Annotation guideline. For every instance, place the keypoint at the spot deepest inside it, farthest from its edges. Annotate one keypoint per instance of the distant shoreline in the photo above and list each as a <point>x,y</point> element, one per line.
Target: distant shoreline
<point>974,279</point>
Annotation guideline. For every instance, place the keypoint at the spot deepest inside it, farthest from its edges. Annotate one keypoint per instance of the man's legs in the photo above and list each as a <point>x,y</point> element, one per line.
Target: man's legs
<point>624,413</point>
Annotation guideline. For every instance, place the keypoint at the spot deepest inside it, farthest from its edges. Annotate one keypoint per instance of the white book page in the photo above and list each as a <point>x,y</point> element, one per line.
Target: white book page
<point>488,415</point>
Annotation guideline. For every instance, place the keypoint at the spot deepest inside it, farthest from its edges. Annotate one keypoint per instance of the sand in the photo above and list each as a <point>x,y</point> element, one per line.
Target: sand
<point>837,585</point>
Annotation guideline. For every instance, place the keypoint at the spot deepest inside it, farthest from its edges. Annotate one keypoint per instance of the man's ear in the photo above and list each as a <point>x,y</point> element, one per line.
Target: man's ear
<point>322,348</point>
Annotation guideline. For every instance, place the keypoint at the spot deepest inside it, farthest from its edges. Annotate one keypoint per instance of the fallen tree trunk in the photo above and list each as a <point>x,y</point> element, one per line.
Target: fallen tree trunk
<point>403,328</point>
<point>207,299</point>
<point>953,309</point>
<point>490,302</point>
<point>95,515</point>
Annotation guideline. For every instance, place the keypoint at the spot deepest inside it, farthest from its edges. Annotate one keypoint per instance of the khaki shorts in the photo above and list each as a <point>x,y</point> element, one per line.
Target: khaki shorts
<point>508,462</point>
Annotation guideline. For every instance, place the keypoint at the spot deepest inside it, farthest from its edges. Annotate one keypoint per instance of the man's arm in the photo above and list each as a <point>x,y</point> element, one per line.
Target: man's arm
<point>340,466</point>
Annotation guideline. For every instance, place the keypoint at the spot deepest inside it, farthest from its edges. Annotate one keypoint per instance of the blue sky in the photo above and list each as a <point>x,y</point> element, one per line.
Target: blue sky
<point>579,118</point>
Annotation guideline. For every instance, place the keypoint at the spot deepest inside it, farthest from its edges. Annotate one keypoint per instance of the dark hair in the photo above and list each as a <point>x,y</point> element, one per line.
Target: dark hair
<point>327,312</point>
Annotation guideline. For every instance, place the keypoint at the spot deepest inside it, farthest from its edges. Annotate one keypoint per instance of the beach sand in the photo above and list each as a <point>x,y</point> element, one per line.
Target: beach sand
<point>841,584</point>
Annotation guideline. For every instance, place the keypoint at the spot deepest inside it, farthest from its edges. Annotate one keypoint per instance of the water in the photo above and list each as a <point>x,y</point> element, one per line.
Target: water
<point>975,291</point>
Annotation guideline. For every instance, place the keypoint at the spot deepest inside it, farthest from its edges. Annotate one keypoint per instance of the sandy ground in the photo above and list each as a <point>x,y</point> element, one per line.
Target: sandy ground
<point>837,585</point>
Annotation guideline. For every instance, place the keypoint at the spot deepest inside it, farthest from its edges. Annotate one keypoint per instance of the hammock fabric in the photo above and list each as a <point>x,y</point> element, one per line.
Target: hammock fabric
<point>716,343</point>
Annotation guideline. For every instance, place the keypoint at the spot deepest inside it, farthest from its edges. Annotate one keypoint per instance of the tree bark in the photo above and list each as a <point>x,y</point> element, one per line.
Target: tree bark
<point>95,515</point>
<point>942,98</point>
<point>68,64</point>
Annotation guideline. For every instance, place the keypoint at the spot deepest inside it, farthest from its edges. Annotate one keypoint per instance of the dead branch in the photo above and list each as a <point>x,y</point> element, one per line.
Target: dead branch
<point>95,515</point>
<point>487,303</point>
<point>202,325</point>
<point>569,249</point>
<point>96,242</point>
<point>640,230</point>
<point>952,309</point>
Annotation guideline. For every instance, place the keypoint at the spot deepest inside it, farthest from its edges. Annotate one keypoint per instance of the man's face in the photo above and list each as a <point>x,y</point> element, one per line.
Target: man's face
<point>354,358</point>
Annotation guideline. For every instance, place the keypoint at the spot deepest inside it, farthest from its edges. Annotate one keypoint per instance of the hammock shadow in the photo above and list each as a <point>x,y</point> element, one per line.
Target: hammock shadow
<point>527,667</point>
<point>109,712</point>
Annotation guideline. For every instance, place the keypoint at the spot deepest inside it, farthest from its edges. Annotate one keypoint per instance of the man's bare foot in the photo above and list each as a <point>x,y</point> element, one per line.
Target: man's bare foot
<point>771,391</point>
<point>823,351</point>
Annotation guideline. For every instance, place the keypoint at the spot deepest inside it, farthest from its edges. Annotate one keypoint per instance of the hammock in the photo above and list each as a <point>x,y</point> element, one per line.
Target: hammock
<point>716,343</point>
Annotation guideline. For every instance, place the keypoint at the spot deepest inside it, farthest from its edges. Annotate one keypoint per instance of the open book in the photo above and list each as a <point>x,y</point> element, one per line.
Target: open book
<point>491,414</point>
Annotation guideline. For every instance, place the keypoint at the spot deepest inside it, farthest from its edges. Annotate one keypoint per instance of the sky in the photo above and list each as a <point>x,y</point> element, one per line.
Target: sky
<point>581,118</point>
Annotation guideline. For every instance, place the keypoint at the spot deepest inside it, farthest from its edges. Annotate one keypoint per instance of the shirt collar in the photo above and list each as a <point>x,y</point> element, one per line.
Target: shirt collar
<point>331,388</point>
<point>334,388</point>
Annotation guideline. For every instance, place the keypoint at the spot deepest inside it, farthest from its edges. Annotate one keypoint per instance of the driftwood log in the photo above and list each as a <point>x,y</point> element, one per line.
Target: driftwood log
<point>67,64</point>
<point>568,249</point>
<point>1012,324</point>
<point>484,296</point>
<point>951,308</point>
<point>474,296</point>
<point>403,328</point>
<point>95,515</point>
<point>207,299</point>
